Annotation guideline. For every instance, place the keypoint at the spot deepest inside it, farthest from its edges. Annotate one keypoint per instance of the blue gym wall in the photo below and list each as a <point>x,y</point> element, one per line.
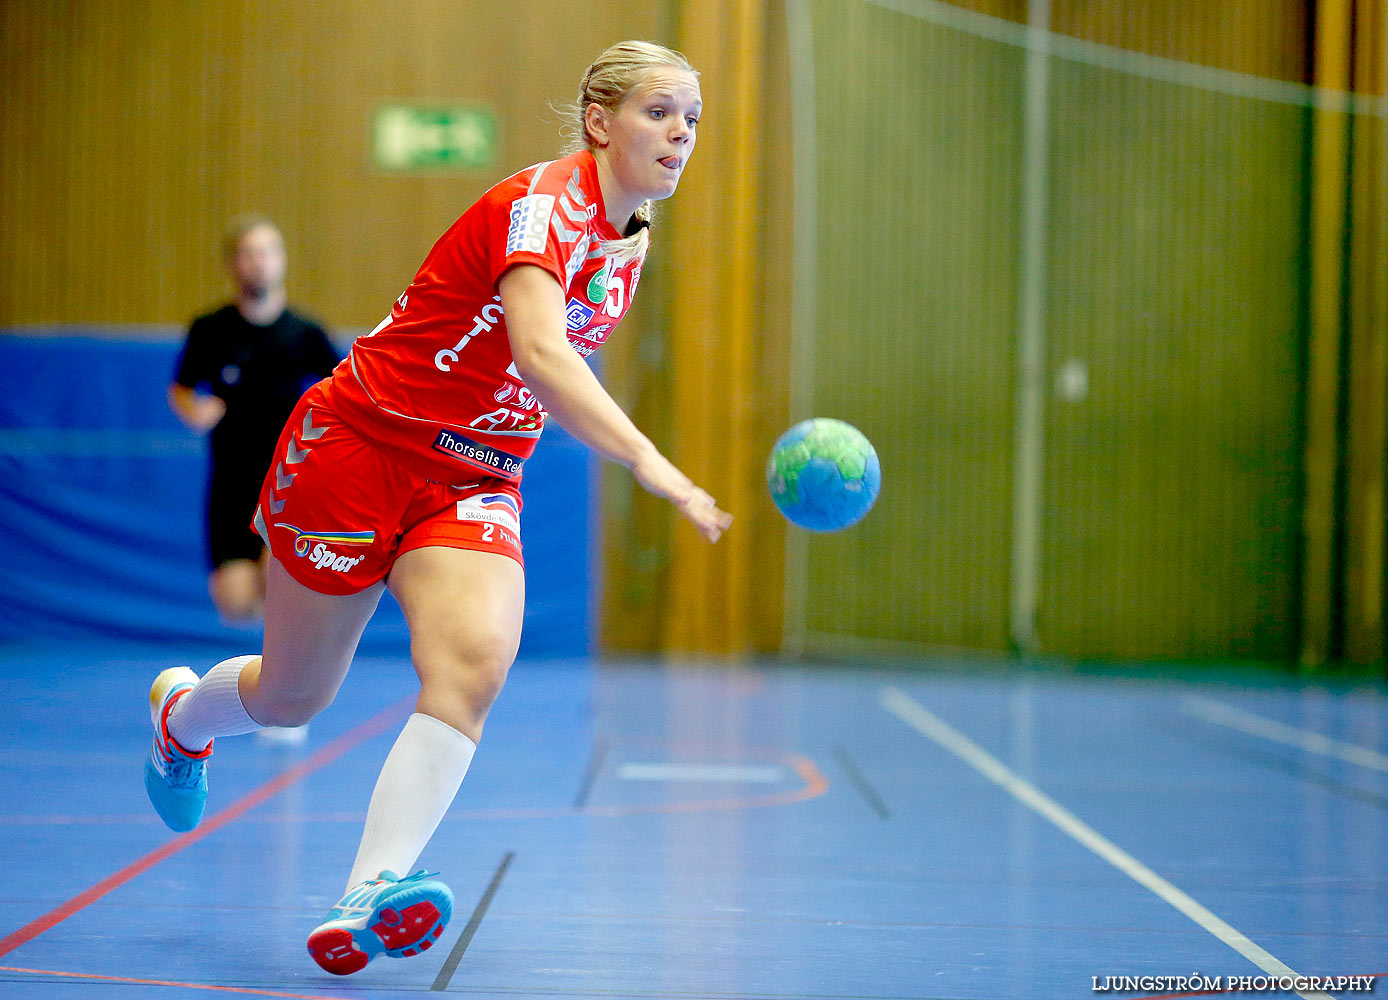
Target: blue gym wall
<point>102,494</point>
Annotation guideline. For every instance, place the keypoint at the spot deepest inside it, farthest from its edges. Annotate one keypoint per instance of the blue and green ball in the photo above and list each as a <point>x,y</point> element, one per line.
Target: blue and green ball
<point>823,474</point>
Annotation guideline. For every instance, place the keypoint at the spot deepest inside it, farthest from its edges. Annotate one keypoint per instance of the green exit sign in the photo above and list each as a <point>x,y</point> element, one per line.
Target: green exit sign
<point>412,138</point>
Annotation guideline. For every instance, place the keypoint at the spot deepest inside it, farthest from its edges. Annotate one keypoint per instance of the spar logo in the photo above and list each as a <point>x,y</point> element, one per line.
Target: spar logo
<point>314,546</point>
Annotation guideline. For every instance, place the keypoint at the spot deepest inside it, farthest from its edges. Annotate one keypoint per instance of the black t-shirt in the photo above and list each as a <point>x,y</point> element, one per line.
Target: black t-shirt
<point>259,371</point>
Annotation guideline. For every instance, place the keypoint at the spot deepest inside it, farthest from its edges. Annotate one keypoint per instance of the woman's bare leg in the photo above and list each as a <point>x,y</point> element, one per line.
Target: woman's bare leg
<point>464,609</point>
<point>309,642</point>
<point>310,639</point>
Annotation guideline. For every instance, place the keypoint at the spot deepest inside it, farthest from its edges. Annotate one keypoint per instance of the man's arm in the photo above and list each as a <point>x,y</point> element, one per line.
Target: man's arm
<point>198,411</point>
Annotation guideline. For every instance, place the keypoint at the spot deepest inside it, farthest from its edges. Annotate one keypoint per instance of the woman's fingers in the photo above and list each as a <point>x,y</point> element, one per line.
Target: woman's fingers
<point>703,511</point>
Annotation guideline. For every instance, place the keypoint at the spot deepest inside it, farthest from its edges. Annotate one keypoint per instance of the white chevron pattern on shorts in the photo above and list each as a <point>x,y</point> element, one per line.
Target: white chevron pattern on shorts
<point>294,453</point>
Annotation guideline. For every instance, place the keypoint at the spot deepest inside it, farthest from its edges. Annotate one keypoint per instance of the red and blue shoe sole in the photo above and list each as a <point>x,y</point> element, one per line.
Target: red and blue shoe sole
<point>394,930</point>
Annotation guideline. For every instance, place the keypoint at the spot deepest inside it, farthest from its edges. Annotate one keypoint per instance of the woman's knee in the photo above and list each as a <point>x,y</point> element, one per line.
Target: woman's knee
<point>310,639</point>
<point>287,700</point>
<point>464,610</point>
<point>469,667</point>
<point>287,713</point>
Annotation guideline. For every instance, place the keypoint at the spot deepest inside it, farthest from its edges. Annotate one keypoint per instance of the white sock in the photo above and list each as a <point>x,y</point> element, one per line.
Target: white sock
<point>417,784</point>
<point>213,708</point>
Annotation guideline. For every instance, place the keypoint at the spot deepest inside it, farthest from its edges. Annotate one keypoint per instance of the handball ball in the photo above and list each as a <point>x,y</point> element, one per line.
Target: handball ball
<point>823,474</point>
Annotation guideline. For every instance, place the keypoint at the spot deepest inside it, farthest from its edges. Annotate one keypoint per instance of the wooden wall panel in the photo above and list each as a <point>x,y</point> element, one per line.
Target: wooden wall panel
<point>1176,281</point>
<point>1366,445</point>
<point>914,323</point>
<point>1174,288</point>
<point>130,133</point>
<point>1327,201</point>
<point>1260,37</point>
<point>710,383</point>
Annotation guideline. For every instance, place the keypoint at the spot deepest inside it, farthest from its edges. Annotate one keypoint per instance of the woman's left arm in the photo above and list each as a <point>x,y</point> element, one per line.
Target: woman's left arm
<point>534,304</point>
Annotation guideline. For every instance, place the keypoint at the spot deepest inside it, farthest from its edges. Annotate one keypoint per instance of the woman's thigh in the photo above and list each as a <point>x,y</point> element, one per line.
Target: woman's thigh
<point>310,639</point>
<point>464,609</point>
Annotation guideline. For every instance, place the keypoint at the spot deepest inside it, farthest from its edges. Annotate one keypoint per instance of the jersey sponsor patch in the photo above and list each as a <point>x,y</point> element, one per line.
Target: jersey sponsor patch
<point>493,508</point>
<point>303,539</point>
<point>578,315</point>
<point>596,335</point>
<point>529,228</point>
<point>314,545</point>
<point>577,259</point>
<point>468,450</point>
<point>597,286</point>
<point>499,501</point>
<point>325,558</point>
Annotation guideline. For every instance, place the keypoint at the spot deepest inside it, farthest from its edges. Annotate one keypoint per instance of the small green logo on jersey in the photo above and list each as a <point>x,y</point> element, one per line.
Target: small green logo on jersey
<point>597,288</point>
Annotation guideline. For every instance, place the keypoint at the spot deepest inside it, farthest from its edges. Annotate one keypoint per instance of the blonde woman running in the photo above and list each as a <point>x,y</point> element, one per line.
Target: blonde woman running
<point>403,470</point>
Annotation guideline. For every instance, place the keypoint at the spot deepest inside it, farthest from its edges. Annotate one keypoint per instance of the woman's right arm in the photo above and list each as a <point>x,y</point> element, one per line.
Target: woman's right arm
<point>534,305</point>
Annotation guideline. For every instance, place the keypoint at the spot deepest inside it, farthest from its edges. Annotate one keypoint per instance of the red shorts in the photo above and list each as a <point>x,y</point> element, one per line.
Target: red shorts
<point>336,511</point>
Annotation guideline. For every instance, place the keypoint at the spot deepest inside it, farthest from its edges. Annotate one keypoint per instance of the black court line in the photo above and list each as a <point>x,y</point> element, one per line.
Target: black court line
<point>456,955</point>
<point>860,782</point>
<point>590,776</point>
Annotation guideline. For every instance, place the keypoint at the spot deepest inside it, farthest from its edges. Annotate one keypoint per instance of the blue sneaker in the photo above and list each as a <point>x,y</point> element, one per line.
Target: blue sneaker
<point>398,916</point>
<point>175,779</point>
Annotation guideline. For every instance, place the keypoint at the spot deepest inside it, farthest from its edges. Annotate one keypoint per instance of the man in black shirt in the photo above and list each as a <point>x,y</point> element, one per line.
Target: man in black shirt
<point>240,373</point>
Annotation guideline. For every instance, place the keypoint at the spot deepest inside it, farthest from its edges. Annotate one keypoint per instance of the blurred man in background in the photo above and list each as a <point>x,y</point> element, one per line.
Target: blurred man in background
<point>240,373</point>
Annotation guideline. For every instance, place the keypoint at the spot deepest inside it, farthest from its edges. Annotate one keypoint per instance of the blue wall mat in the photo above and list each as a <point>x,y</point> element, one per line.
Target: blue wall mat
<point>101,500</point>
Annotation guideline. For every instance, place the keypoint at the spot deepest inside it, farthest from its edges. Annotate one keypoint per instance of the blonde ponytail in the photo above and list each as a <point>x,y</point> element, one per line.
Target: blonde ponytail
<point>637,239</point>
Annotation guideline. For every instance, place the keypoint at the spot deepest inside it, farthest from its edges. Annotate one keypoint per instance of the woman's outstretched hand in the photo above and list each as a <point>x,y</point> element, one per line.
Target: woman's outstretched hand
<point>658,475</point>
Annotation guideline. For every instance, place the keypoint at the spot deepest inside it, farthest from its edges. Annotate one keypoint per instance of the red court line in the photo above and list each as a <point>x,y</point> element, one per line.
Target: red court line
<point>815,785</point>
<point>372,727</point>
<point>167,982</point>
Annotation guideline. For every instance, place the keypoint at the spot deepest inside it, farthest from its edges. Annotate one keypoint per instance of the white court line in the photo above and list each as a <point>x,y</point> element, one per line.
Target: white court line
<point>1270,729</point>
<point>761,774</point>
<point>909,711</point>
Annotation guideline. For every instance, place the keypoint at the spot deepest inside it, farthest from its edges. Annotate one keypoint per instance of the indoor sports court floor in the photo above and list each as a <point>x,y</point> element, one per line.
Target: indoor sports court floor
<point>954,830</point>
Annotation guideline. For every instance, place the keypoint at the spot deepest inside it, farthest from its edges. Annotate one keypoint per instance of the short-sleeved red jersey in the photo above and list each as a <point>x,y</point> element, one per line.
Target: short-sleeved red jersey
<point>435,384</point>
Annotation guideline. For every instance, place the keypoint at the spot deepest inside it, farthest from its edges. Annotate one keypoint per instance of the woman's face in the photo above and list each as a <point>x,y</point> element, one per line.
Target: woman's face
<point>651,137</point>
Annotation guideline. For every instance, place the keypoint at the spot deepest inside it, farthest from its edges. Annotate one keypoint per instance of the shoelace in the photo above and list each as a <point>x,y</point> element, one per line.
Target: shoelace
<point>418,876</point>
<point>183,772</point>
<point>363,898</point>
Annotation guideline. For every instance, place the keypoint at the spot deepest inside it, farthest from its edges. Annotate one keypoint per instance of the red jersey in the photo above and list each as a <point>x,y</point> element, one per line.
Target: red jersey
<point>435,384</point>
